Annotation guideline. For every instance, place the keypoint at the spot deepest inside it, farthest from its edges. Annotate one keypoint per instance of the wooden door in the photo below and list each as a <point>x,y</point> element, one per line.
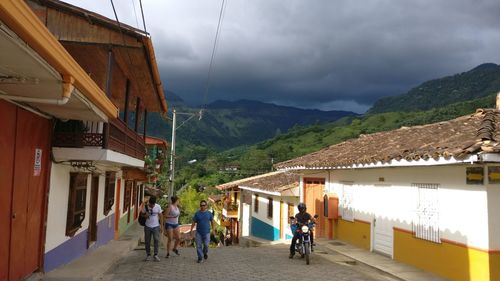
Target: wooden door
<point>25,146</point>
<point>94,194</point>
<point>7,144</point>
<point>313,197</point>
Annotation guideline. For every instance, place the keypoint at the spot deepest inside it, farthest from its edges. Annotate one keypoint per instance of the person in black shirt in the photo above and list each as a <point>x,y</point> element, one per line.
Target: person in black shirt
<point>302,217</point>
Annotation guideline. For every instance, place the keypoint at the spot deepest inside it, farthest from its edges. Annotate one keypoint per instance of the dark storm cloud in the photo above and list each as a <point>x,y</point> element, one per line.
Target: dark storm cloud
<point>319,54</point>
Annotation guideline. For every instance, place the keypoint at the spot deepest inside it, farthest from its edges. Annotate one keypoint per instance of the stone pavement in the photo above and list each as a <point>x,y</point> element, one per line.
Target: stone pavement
<point>266,262</point>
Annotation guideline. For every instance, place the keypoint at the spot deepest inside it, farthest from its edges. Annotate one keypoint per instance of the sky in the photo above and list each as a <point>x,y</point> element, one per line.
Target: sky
<point>322,54</point>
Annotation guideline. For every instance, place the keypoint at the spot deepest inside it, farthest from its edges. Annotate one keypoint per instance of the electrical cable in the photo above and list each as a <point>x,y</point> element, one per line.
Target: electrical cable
<point>143,19</point>
<point>210,67</point>
<point>135,13</point>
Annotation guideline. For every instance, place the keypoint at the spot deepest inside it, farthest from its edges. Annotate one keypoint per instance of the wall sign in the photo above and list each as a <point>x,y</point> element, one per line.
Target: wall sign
<point>494,174</point>
<point>38,162</point>
<point>474,175</point>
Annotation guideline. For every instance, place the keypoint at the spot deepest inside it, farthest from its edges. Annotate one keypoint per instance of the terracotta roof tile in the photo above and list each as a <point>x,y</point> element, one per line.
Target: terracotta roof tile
<point>458,138</point>
<point>274,182</point>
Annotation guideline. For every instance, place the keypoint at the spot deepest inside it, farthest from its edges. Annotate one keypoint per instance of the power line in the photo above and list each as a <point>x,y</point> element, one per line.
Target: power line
<point>135,13</point>
<point>143,19</point>
<point>210,68</point>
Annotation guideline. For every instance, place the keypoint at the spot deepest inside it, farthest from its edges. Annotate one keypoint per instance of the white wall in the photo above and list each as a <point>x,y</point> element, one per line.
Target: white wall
<point>463,213</point>
<point>494,218</point>
<point>275,221</point>
<point>58,205</point>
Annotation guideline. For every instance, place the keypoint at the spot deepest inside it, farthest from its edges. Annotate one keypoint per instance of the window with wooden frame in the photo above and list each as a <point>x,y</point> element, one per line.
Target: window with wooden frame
<point>291,211</point>
<point>270,207</point>
<point>127,195</point>
<point>256,204</point>
<point>109,192</point>
<point>77,202</point>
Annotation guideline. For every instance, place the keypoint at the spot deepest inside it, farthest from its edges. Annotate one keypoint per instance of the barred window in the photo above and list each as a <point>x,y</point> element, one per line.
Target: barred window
<point>256,204</point>
<point>77,202</point>
<point>291,211</point>
<point>270,207</point>
<point>109,192</point>
<point>346,202</point>
<point>426,222</point>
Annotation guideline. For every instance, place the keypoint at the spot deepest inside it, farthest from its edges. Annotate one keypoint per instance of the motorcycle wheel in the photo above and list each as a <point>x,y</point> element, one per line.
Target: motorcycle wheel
<point>307,252</point>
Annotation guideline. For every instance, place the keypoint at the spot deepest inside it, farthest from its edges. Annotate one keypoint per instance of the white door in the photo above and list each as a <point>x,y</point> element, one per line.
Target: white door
<point>245,220</point>
<point>383,238</point>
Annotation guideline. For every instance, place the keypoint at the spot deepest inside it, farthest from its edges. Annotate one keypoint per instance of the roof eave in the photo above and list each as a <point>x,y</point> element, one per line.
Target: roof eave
<point>23,21</point>
<point>471,159</point>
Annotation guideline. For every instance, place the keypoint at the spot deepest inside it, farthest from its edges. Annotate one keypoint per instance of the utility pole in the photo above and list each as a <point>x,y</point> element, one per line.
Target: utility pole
<point>172,148</point>
<point>172,157</point>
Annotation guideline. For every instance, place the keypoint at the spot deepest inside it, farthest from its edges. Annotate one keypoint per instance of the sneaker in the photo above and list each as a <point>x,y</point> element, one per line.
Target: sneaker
<point>157,258</point>
<point>167,256</point>
<point>199,260</point>
<point>148,258</point>
<point>205,256</point>
<point>291,256</point>
<point>176,252</point>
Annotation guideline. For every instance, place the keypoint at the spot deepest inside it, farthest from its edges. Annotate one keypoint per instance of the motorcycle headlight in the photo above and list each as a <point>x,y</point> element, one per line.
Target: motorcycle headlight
<point>305,228</point>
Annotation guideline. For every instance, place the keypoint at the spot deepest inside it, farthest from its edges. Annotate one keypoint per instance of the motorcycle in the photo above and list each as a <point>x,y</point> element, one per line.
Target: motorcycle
<point>304,245</point>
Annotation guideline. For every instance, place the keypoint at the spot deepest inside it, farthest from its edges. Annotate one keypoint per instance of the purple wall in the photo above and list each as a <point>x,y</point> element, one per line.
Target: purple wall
<point>77,246</point>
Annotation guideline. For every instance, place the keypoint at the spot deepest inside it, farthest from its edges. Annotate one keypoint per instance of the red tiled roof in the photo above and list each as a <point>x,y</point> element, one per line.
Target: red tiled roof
<point>457,138</point>
<point>155,141</point>
<point>273,182</point>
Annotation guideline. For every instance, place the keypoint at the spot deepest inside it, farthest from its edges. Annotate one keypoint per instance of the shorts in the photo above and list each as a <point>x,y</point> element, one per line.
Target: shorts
<point>171,225</point>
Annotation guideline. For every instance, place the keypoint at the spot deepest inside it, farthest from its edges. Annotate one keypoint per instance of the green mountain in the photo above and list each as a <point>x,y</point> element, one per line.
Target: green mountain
<point>227,124</point>
<point>479,82</point>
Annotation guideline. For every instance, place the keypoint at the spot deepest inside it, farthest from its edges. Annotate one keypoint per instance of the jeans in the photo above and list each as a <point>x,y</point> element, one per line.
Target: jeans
<point>156,238</point>
<point>202,241</point>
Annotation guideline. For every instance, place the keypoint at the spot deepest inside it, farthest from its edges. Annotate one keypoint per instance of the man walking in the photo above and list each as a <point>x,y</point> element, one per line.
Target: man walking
<point>152,213</point>
<point>203,219</point>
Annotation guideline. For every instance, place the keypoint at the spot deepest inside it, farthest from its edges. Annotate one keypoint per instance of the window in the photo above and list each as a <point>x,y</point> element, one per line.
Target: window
<point>127,195</point>
<point>109,192</point>
<point>346,202</point>
<point>426,224</point>
<point>256,204</point>
<point>77,202</point>
<point>270,207</point>
<point>291,211</point>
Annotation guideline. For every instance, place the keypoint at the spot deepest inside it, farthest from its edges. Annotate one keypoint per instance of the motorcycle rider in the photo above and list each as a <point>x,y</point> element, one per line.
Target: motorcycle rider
<point>302,218</point>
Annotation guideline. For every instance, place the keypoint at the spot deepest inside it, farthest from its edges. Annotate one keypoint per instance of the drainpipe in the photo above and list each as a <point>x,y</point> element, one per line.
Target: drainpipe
<point>67,87</point>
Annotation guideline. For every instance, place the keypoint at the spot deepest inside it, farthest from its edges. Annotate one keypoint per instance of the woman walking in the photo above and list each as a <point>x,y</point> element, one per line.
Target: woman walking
<point>171,215</point>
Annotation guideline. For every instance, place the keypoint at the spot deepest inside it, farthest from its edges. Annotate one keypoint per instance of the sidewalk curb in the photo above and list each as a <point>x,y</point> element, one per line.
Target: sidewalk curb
<point>93,265</point>
<point>383,264</point>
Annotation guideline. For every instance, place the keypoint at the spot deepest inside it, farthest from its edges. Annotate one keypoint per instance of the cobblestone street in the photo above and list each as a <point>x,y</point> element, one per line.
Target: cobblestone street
<point>269,262</point>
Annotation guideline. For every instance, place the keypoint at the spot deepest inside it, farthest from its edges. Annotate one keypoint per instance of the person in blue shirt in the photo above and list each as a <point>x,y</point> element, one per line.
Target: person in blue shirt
<point>203,219</point>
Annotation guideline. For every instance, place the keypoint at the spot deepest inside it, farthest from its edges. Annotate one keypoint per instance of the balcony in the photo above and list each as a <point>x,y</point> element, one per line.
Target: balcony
<point>114,135</point>
<point>230,210</point>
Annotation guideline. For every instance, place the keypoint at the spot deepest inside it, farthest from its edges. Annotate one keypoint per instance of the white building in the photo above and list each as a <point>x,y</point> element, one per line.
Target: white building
<point>265,204</point>
<point>425,195</point>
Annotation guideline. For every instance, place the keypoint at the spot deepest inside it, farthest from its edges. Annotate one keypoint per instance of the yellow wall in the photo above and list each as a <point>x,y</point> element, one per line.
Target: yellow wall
<point>356,233</point>
<point>495,266</point>
<point>456,262</point>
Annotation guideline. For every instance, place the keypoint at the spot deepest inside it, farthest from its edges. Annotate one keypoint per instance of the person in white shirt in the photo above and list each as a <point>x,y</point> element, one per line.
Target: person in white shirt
<point>152,226</point>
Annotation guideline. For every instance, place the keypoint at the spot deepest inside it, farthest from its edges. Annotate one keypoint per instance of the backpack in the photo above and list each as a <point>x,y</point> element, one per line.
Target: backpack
<point>142,217</point>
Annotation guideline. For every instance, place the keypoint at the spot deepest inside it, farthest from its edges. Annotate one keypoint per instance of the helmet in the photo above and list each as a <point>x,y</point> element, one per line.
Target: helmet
<point>301,206</point>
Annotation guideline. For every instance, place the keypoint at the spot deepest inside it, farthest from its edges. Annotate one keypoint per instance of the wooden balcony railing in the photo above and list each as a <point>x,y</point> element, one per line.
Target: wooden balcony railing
<point>114,135</point>
<point>230,210</point>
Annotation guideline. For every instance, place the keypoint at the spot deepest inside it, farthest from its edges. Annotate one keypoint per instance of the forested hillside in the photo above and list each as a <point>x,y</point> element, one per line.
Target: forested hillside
<point>479,82</point>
